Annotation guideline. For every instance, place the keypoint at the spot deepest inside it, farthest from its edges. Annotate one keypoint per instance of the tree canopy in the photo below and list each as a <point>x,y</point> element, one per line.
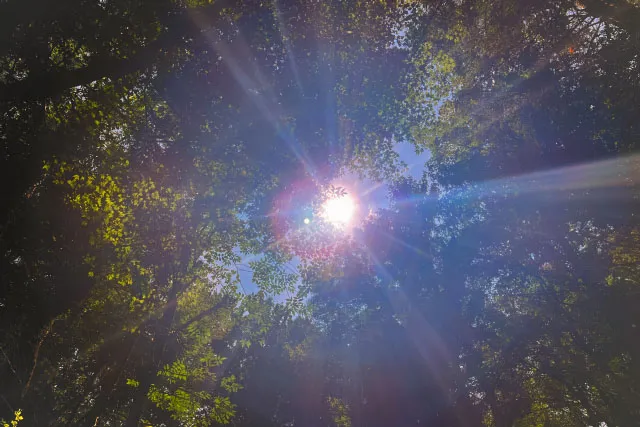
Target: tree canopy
<point>165,254</point>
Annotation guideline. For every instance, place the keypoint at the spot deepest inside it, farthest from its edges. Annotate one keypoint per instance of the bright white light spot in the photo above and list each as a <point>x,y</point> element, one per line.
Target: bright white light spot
<point>339,211</point>
<point>307,221</point>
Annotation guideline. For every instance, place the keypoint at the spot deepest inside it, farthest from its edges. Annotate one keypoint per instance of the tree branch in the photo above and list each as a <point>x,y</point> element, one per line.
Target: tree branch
<point>35,356</point>
<point>179,28</point>
<point>623,14</point>
<point>226,300</point>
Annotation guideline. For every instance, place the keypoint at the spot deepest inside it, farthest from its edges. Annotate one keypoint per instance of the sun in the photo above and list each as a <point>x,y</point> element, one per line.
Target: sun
<point>339,210</point>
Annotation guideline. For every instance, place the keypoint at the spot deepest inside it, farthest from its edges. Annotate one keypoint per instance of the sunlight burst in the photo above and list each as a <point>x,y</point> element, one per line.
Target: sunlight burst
<point>339,211</point>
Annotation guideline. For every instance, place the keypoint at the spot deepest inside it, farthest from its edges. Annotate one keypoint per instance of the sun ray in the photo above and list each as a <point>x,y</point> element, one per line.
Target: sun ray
<point>269,108</point>
<point>620,172</point>
<point>426,339</point>
<point>611,177</point>
<point>401,242</point>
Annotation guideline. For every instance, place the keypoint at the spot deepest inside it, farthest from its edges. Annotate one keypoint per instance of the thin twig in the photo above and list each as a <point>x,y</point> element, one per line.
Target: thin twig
<point>35,356</point>
<point>11,365</point>
<point>7,402</point>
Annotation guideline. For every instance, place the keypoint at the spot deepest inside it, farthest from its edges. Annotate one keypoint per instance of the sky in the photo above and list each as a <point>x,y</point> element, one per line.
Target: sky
<point>375,195</point>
